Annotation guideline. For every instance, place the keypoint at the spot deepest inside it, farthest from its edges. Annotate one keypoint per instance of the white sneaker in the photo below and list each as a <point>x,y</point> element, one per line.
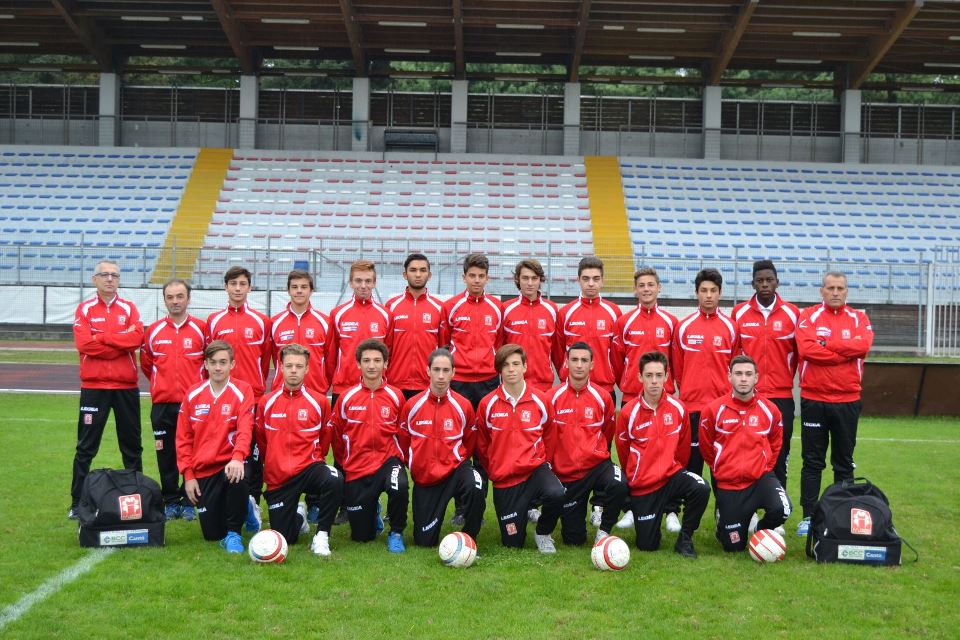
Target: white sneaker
<point>673,523</point>
<point>600,533</point>
<point>321,544</point>
<point>754,521</point>
<point>781,530</point>
<point>302,510</point>
<point>533,515</point>
<point>596,516</point>
<point>626,521</point>
<point>545,543</point>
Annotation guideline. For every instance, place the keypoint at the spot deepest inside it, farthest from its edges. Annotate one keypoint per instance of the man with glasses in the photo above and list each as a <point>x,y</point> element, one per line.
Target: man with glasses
<point>107,331</point>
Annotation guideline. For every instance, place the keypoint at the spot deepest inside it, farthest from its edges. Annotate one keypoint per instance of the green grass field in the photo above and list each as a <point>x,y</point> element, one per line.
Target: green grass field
<point>191,589</point>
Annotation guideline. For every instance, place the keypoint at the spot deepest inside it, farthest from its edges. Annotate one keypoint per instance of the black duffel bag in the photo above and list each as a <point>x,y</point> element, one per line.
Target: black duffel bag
<point>853,523</point>
<point>120,508</point>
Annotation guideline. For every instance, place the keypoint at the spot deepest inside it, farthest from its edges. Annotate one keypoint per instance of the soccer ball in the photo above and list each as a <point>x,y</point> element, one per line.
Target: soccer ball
<point>268,546</point>
<point>457,549</point>
<point>767,545</point>
<point>610,553</point>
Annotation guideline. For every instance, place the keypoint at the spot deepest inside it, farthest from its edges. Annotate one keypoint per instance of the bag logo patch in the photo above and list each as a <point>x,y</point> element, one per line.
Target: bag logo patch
<point>131,507</point>
<point>861,522</point>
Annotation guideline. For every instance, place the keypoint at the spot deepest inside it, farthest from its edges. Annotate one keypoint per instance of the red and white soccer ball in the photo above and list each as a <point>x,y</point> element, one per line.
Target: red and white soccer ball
<point>610,553</point>
<point>457,549</point>
<point>767,545</point>
<point>268,546</point>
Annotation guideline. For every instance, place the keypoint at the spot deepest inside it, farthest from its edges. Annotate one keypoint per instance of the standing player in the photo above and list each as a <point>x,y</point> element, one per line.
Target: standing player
<point>293,435</point>
<point>530,321</point>
<point>767,332</point>
<point>703,346</point>
<point>366,444</point>
<point>833,339</point>
<point>740,436</point>
<point>214,434</point>
<point>300,323</point>
<point>513,425</point>
<point>653,443</point>
<point>437,431</point>
<point>107,333</point>
<point>171,357</point>
<point>417,327</point>
<point>352,322</point>
<point>474,321</point>
<point>583,424</point>
<point>589,319</point>
<point>247,331</point>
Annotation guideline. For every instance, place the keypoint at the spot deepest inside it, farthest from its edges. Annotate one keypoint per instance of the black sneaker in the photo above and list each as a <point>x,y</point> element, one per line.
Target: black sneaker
<point>684,546</point>
<point>341,517</point>
<point>72,513</point>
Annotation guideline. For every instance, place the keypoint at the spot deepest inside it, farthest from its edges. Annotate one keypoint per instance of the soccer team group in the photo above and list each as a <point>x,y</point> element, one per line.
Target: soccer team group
<point>461,393</point>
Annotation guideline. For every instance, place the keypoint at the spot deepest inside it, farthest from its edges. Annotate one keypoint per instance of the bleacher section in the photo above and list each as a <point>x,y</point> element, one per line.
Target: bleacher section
<point>118,203</point>
<point>885,219</point>
<point>382,209</point>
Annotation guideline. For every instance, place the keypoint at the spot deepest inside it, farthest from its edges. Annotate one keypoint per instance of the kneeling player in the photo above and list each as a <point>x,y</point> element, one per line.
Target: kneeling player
<point>740,438</point>
<point>214,432</point>
<point>513,423</point>
<point>653,443</point>
<point>583,422</point>
<point>365,443</point>
<point>437,431</point>
<point>293,436</point>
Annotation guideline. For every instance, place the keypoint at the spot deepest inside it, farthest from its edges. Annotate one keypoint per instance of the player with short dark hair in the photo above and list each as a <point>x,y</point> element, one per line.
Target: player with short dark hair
<point>301,323</point>
<point>366,444</point>
<point>530,320</point>
<point>740,437</point>
<point>437,432</point>
<point>171,358</point>
<point>513,441</point>
<point>214,434</point>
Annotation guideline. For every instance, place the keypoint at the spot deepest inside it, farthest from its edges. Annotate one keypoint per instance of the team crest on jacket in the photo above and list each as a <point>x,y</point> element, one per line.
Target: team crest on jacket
<point>374,327</point>
<point>845,334</point>
<point>121,320</point>
<point>308,333</point>
<point>667,419</point>
<point>384,412</point>
<point>542,324</point>
<point>717,341</point>
<point>248,333</point>
<point>777,325</point>
<point>427,318</point>
<point>601,324</point>
<point>448,424</point>
<point>188,343</point>
<point>588,413</point>
<point>525,415</point>
<point>225,409</point>
<point>660,332</point>
<point>302,414</point>
<point>753,421</point>
<point>488,321</point>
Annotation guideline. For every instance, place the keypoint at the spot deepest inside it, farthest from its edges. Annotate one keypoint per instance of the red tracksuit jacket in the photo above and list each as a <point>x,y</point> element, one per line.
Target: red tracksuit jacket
<point>417,327</point>
<point>292,432</point>
<point>832,371</point>
<point>702,350</point>
<point>107,337</point>
<point>172,357</point>
<point>308,330</point>
<point>771,342</point>
<point>511,440</point>
<point>653,443</point>
<point>583,423</point>
<point>366,427</point>
<point>591,321</point>
<point>740,441</point>
<point>212,431</point>
<point>533,326</point>
<point>437,433</point>
<point>350,324</point>
<point>638,332</point>
<point>248,332</point>
<point>474,332</point>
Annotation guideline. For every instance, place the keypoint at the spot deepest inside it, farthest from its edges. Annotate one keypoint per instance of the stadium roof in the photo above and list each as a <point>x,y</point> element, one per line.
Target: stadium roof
<point>850,39</point>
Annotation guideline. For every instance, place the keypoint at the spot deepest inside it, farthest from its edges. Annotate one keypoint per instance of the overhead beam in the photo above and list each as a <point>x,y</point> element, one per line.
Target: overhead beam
<point>728,45</point>
<point>89,34</point>
<point>353,33</point>
<point>879,45</point>
<point>459,69</point>
<point>235,35</point>
<point>579,39</point>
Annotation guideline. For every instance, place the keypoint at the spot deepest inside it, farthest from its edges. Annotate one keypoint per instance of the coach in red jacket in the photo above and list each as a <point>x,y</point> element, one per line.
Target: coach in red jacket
<point>767,332</point>
<point>530,320</point>
<point>513,423</point>
<point>107,332</point>
<point>653,445</point>
<point>366,444</point>
<point>293,435</point>
<point>171,358</point>
<point>833,340</point>
<point>583,423</point>
<point>437,431</point>
<point>214,435</point>
<point>740,437</point>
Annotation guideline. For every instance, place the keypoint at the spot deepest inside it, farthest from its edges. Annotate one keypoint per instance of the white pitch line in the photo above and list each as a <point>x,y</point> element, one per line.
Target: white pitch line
<point>15,611</point>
